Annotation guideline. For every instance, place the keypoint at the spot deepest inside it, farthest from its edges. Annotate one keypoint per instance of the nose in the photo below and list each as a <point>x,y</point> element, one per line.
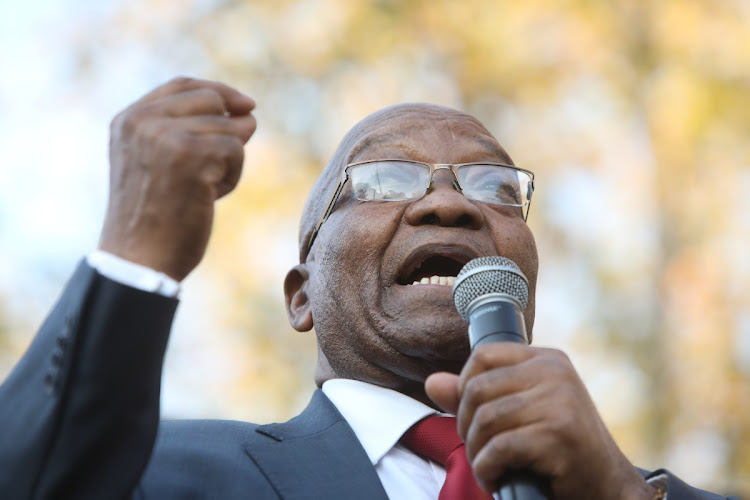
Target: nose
<point>444,205</point>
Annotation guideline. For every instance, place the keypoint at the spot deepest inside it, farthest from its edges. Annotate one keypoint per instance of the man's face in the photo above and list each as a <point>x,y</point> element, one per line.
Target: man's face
<point>372,322</point>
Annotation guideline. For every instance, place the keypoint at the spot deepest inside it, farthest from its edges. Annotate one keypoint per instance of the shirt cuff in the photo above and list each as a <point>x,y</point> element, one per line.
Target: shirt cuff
<point>659,482</point>
<point>132,274</point>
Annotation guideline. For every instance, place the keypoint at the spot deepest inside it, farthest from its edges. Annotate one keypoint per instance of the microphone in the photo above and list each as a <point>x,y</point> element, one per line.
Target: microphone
<point>491,294</point>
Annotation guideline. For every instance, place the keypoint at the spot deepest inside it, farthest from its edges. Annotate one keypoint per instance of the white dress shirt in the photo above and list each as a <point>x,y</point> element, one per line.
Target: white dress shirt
<point>379,417</point>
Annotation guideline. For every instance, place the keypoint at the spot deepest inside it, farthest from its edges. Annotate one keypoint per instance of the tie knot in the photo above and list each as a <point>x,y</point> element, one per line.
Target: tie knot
<point>434,437</point>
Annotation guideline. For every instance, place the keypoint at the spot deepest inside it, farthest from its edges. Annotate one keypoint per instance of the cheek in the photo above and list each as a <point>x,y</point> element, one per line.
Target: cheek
<point>515,241</point>
<point>346,286</point>
<point>359,235</point>
<point>350,254</point>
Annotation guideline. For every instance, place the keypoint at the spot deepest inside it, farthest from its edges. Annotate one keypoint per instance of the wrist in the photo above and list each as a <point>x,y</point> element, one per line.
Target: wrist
<point>629,484</point>
<point>644,491</point>
<point>162,259</point>
<point>133,274</point>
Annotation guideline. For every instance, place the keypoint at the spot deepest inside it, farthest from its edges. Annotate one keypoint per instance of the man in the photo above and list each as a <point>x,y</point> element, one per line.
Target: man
<point>79,414</point>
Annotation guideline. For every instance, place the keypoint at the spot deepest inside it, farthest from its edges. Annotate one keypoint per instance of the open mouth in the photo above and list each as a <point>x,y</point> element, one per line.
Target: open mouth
<point>433,270</point>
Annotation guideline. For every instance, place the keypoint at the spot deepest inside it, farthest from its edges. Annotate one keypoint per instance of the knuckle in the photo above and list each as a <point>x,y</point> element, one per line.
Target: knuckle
<point>252,126</point>
<point>475,390</point>
<point>228,149</point>
<point>498,445</point>
<point>560,356</point>
<point>181,82</point>
<point>561,429</point>
<point>489,463</point>
<point>178,143</point>
<point>483,356</point>
<point>182,141</point>
<point>125,123</point>
<point>223,154</point>
<point>557,364</point>
<point>115,126</point>
<point>513,403</point>
<point>484,418</point>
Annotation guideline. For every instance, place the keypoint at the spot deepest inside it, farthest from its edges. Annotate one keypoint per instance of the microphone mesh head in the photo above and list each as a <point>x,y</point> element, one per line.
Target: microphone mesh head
<point>486,275</point>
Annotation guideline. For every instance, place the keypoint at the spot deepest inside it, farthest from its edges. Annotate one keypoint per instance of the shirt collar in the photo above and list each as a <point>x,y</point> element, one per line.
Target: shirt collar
<point>378,416</point>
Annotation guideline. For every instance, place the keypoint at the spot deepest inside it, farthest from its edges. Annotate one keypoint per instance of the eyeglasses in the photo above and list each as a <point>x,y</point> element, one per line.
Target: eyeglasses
<point>400,180</point>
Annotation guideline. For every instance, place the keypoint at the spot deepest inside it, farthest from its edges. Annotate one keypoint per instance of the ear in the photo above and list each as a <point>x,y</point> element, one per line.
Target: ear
<point>297,303</point>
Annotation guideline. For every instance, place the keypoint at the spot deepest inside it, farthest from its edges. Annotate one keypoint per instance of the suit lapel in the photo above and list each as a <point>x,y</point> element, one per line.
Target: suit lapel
<point>316,455</point>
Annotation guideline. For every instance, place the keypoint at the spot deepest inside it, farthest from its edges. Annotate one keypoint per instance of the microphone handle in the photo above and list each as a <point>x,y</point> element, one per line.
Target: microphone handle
<point>502,321</point>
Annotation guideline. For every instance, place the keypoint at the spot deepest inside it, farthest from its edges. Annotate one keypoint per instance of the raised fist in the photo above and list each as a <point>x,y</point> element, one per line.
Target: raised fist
<point>172,154</point>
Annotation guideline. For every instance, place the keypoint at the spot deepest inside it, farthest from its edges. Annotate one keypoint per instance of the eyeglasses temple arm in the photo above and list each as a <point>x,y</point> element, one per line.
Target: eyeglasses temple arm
<point>529,193</point>
<point>329,209</point>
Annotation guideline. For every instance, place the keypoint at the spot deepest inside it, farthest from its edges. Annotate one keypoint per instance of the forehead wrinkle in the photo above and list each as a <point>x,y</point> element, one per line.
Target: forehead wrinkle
<point>375,128</point>
<point>391,142</point>
<point>369,141</point>
<point>393,138</point>
<point>388,151</point>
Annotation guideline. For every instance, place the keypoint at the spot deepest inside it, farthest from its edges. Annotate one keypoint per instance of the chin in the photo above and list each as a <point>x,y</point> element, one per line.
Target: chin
<point>435,340</point>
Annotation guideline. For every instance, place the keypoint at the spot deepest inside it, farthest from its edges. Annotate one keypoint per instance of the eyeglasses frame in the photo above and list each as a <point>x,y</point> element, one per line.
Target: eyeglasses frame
<point>453,167</point>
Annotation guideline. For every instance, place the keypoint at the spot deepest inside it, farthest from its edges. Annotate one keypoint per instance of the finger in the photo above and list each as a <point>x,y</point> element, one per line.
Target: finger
<point>488,386</point>
<point>236,102</point>
<point>218,159</point>
<point>246,125</point>
<point>240,127</point>
<point>203,125</point>
<point>234,169</point>
<point>493,355</point>
<point>201,101</point>
<point>502,415</point>
<point>525,448</point>
<point>442,388</point>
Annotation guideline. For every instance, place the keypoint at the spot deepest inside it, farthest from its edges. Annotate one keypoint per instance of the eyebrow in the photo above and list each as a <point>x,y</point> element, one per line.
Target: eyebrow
<point>369,141</point>
<point>495,148</point>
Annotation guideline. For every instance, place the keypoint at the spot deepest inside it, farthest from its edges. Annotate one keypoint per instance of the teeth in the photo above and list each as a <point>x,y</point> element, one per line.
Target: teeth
<point>437,280</point>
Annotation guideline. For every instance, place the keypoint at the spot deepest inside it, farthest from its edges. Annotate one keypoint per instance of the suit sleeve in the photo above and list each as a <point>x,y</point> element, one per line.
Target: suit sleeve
<point>80,410</point>
<point>677,489</point>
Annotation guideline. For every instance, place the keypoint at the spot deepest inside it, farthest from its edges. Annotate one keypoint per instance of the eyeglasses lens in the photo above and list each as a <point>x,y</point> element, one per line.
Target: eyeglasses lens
<point>494,184</point>
<point>404,180</point>
<point>389,180</point>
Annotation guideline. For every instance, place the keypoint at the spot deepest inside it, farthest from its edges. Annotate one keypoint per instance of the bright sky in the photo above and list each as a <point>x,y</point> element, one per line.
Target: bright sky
<point>54,131</point>
<point>53,143</point>
<point>53,135</point>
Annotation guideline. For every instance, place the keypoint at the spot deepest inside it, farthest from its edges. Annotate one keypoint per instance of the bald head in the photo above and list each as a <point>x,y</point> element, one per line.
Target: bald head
<point>376,130</point>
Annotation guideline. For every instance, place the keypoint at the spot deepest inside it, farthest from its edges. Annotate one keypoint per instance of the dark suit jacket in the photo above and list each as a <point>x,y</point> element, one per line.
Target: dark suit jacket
<point>79,416</point>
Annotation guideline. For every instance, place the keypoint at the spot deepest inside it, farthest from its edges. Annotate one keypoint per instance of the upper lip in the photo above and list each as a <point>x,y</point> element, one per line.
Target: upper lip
<point>460,254</point>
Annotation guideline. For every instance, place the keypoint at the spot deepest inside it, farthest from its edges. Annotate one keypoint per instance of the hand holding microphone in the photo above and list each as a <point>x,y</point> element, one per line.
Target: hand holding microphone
<point>491,294</point>
<point>530,427</point>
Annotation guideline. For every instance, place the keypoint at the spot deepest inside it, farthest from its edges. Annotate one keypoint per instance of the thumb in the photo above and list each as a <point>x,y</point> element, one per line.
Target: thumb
<point>442,388</point>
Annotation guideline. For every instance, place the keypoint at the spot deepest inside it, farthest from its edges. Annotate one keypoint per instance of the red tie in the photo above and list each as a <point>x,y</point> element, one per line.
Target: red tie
<point>436,438</point>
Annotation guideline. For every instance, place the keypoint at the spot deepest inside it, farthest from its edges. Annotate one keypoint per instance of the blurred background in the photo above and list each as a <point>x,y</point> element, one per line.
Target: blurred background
<point>634,115</point>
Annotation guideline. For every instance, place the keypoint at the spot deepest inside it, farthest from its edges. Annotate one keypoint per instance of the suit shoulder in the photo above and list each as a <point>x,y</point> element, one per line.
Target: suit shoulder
<point>201,458</point>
